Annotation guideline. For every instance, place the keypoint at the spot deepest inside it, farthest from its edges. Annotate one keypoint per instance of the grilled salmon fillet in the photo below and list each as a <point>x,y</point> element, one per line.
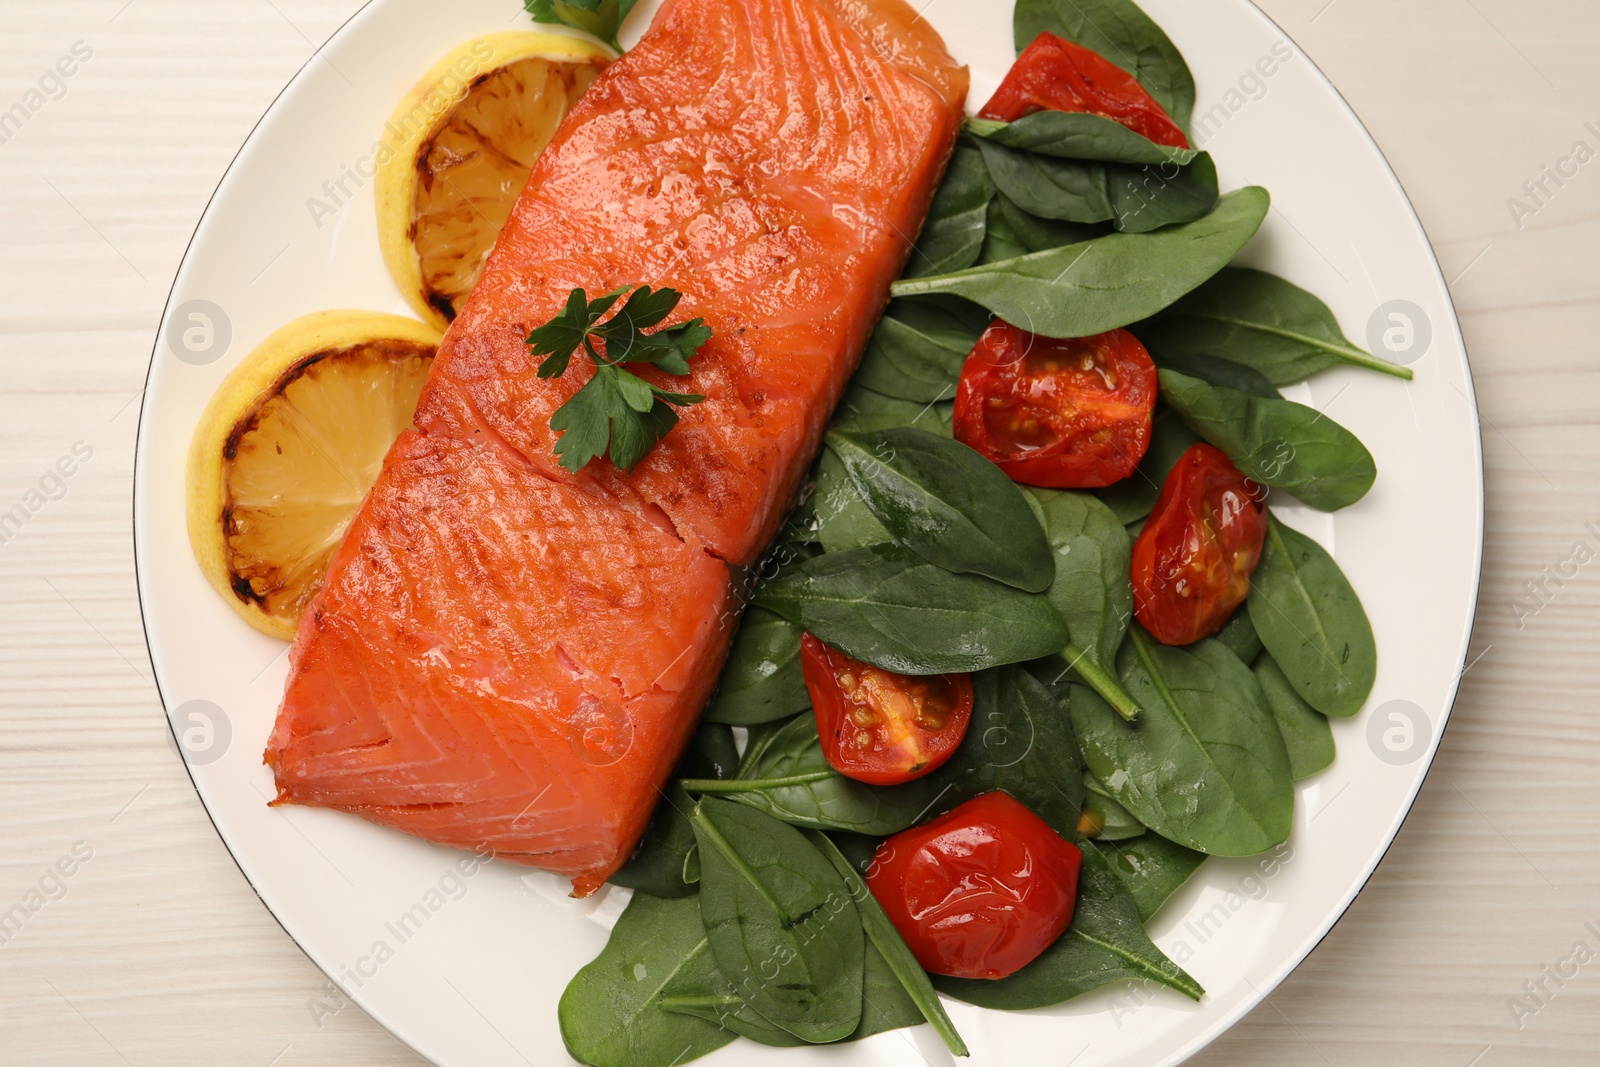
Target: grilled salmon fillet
<point>507,656</point>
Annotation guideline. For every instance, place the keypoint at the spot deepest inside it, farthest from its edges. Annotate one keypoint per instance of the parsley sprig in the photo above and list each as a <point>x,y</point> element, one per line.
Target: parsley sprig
<point>599,17</point>
<point>616,411</point>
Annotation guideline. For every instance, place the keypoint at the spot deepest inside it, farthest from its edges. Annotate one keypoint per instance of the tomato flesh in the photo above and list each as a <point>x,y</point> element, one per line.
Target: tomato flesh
<point>881,727</point>
<point>1054,74</point>
<point>1193,560</point>
<point>1059,414</point>
<point>980,892</point>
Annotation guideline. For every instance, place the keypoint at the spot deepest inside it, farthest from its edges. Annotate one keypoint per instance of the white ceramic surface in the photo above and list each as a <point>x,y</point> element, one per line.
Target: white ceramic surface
<point>472,977</point>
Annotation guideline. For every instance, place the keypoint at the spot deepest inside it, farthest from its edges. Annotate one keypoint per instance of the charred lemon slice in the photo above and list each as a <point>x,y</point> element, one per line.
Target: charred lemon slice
<point>457,153</point>
<point>287,449</point>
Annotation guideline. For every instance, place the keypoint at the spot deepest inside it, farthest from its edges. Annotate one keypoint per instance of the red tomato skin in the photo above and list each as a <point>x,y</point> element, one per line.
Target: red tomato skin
<point>980,892</point>
<point>1093,424</point>
<point>922,751</point>
<point>1193,560</point>
<point>1054,74</point>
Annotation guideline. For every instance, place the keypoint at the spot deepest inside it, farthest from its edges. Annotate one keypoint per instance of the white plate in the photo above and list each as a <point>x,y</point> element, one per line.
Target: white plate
<point>472,978</point>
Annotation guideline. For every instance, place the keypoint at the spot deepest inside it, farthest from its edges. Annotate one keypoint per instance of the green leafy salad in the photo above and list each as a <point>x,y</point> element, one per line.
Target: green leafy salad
<point>1149,705</point>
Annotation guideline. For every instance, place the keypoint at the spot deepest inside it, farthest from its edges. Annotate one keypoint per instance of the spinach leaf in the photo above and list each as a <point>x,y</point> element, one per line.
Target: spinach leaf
<point>1020,741</point>
<point>1276,442</point>
<point>1078,135</point>
<point>782,925</point>
<point>1092,590</point>
<point>885,1006</point>
<point>1152,868</point>
<point>1005,236</point>
<point>1068,190</point>
<point>1014,232</point>
<point>1121,32</point>
<point>1138,199</point>
<point>1150,197</point>
<point>662,865</point>
<point>953,235</point>
<point>919,346</point>
<point>762,681</point>
<point>859,849</point>
<point>891,608</point>
<point>715,1000</point>
<point>610,1015</point>
<point>1263,321</point>
<point>864,409</point>
<point>1312,622</point>
<point>1239,634</point>
<point>1132,498</point>
<point>948,504</point>
<point>843,519</point>
<point>1106,943</point>
<point>1224,372</point>
<point>1306,732</point>
<point>1111,281</point>
<point>886,939</point>
<point>789,778</point>
<point>1205,765</point>
<point>598,18</point>
<point>1109,820</point>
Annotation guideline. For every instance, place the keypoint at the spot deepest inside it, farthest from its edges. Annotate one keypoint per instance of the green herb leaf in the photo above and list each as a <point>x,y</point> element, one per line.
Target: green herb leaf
<point>598,18</point>
<point>1121,32</point>
<point>610,1015</point>
<point>1091,590</point>
<point>1205,765</point>
<point>1117,823</point>
<point>1306,733</point>
<point>917,351</point>
<point>559,338</point>
<point>1263,321</point>
<point>891,608</point>
<point>1108,282</point>
<point>1276,442</point>
<point>1312,622</point>
<point>886,939</point>
<point>1152,869</point>
<point>952,236</point>
<point>762,681</point>
<point>1020,741</point>
<point>1106,943</point>
<point>615,411</point>
<point>948,504</point>
<point>1078,135</point>
<point>782,924</point>
<point>662,864</point>
<point>789,778</point>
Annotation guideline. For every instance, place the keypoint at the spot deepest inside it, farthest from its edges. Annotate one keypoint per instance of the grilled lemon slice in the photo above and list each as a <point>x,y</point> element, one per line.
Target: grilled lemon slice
<point>287,449</point>
<point>457,153</point>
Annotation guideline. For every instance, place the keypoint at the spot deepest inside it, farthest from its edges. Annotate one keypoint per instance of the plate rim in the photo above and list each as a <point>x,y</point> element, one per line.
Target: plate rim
<point>1246,1005</point>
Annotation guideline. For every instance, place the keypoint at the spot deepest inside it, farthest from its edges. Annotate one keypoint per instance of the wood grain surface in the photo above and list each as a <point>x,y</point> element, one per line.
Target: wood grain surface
<point>156,950</point>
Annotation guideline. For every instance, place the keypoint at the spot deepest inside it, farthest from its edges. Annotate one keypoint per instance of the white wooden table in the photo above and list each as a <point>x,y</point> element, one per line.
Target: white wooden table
<point>155,951</point>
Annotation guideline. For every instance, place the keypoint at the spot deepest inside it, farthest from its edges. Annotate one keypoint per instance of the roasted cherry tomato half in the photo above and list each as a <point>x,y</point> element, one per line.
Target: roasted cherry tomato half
<point>1072,414</point>
<point>881,727</point>
<point>1057,75</point>
<point>979,892</point>
<point>1193,561</point>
